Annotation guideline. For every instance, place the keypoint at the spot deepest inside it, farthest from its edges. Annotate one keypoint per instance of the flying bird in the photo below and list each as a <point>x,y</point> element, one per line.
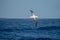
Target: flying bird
<point>34,17</point>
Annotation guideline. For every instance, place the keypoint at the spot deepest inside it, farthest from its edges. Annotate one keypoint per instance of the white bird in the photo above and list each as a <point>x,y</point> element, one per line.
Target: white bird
<point>34,17</point>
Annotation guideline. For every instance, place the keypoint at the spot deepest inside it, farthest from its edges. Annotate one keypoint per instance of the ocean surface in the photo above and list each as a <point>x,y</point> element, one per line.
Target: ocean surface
<point>24,29</point>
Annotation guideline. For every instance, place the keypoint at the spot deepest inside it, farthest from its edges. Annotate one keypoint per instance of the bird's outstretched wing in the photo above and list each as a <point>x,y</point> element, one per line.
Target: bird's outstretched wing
<point>34,17</point>
<point>35,22</point>
<point>32,12</point>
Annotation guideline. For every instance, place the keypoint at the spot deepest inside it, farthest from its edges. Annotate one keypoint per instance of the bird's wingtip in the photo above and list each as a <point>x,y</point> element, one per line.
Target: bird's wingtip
<point>31,11</point>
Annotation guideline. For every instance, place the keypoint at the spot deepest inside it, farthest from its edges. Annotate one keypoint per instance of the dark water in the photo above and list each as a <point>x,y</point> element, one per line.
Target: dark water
<point>24,29</point>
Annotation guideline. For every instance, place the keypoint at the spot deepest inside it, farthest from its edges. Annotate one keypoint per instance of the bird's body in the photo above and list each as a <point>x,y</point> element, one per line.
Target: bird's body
<point>34,17</point>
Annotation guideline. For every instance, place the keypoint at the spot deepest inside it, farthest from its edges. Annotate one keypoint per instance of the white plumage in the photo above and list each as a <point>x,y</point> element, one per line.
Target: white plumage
<point>34,17</point>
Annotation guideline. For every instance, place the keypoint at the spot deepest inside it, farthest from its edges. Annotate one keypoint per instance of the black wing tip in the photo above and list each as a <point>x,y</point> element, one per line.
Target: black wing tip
<point>31,11</point>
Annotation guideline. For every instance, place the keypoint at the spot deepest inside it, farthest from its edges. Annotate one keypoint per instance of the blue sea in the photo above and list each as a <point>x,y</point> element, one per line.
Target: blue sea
<point>24,29</point>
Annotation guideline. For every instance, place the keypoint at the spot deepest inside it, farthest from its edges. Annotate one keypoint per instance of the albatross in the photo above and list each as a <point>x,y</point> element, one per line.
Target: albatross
<point>34,17</point>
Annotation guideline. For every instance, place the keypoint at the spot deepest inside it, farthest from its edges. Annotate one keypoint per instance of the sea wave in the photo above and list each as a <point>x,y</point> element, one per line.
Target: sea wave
<point>49,28</point>
<point>29,28</point>
<point>27,38</point>
<point>25,30</point>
